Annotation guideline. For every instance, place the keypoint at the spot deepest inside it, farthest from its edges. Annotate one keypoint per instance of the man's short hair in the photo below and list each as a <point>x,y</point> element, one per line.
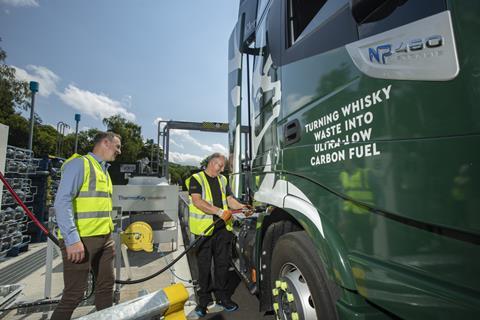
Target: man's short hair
<point>215,156</point>
<point>109,135</point>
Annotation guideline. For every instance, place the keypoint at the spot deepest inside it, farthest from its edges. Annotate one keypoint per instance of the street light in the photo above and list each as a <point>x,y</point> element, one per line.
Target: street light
<point>77,120</point>
<point>34,89</point>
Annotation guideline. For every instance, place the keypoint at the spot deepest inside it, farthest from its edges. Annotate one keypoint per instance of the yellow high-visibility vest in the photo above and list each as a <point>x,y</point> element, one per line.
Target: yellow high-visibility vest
<point>199,221</point>
<point>92,207</point>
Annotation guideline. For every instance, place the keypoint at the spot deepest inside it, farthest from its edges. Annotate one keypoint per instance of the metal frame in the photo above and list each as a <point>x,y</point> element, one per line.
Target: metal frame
<point>184,125</point>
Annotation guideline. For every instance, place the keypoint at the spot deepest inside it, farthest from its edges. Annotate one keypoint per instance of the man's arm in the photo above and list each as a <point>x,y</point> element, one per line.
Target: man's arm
<point>204,205</point>
<point>70,184</point>
<point>233,203</point>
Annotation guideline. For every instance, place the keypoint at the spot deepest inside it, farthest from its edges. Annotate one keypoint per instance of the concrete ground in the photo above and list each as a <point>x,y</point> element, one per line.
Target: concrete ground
<point>142,264</point>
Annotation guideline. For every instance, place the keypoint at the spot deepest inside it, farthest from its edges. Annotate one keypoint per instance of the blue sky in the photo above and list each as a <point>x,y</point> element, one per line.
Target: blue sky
<point>143,59</point>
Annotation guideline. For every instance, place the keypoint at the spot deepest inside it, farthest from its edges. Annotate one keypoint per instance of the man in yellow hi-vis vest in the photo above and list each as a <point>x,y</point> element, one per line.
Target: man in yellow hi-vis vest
<point>83,207</point>
<point>210,198</point>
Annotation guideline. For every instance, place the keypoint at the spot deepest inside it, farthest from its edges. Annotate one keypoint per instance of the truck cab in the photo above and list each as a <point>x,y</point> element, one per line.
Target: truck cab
<point>353,127</point>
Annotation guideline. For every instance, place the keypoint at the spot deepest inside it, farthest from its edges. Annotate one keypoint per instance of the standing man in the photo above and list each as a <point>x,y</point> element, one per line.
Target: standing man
<point>210,199</point>
<point>83,208</point>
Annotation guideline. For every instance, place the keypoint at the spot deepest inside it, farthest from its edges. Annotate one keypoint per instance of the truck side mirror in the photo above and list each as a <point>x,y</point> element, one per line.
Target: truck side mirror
<point>247,17</point>
<point>247,22</point>
<point>243,41</point>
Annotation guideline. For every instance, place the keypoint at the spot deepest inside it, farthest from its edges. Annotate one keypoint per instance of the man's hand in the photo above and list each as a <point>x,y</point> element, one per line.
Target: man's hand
<point>76,252</point>
<point>248,210</point>
<point>225,215</point>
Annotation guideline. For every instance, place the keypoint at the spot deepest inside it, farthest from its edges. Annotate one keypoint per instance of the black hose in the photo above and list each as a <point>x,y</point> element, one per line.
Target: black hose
<point>168,266</point>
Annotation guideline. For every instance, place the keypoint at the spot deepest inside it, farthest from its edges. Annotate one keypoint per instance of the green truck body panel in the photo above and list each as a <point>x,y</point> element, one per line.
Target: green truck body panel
<point>405,151</point>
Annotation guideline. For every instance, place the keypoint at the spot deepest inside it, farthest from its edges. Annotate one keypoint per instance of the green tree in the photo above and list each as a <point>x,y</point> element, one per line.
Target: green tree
<point>179,173</point>
<point>13,93</point>
<point>132,141</point>
<point>18,131</point>
<point>44,140</point>
<point>85,142</point>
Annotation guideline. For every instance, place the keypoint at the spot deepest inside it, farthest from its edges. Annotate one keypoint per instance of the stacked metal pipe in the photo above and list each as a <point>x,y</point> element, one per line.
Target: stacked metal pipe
<point>20,164</point>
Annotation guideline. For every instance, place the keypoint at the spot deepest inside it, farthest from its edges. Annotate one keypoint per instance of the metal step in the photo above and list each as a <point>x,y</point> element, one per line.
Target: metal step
<point>15,272</point>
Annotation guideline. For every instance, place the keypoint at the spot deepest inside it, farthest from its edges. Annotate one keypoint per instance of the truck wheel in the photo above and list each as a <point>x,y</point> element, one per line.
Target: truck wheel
<point>273,233</point>
<point>299,281</point>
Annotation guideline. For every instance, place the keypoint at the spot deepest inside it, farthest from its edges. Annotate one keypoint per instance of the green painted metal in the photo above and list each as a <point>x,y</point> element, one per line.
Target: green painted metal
<point>413,250</point>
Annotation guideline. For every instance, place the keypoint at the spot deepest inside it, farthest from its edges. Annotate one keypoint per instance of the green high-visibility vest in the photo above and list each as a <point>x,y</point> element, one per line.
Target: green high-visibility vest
<point>92,207</point>
<point>198,220</point>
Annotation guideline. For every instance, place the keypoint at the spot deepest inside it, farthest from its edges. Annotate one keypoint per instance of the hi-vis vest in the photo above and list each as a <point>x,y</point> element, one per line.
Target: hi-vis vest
<point>92,207</point>
<point>356,186</point>
<point>199,221</point>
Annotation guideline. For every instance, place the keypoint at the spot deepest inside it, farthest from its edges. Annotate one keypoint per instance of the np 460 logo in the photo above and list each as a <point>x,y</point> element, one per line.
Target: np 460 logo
<point>382,53</point>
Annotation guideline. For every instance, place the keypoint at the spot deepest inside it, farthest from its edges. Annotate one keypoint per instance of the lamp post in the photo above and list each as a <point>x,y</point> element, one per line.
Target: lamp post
<point>77,120</point>
<point>65,126</point>
<point>34,89</point>
<point>59,130</point>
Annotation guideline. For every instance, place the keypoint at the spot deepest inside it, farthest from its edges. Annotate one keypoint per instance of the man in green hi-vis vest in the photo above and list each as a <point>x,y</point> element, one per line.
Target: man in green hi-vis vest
<point>210,198</point>
<point>83,207</point>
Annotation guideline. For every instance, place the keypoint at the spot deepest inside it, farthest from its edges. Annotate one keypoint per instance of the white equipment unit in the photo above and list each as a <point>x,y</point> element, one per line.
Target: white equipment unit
<point>155,204</point>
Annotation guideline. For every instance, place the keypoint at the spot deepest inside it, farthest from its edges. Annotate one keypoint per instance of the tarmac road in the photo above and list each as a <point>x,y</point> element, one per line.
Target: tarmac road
<point>248,305</point>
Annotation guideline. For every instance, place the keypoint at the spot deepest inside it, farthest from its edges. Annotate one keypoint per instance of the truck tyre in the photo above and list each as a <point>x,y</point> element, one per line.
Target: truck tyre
<point>273,233</point>
<point>300,289</point>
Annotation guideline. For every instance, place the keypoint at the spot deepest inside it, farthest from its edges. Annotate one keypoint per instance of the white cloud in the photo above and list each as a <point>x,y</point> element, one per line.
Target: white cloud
<point>179,133</point>
<point>185,158</point>
<point>85,129</point>
<point>127,101</point>
<point>185,136</point>
<point>46,78</point>
<point>96,105</point>
<point>217,147</point>
<point>181,146</point>
<point>21,3</point>
<point>158,119</point>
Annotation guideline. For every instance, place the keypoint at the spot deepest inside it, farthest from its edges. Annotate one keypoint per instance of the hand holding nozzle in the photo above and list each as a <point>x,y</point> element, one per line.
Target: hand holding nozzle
<point>245,212</point>
<point>248,210</point>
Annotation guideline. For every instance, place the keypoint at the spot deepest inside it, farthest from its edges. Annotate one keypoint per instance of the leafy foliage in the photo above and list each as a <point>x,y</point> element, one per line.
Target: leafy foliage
<point>179,173</point>
<point>132,141</point>
<point>13,93</point>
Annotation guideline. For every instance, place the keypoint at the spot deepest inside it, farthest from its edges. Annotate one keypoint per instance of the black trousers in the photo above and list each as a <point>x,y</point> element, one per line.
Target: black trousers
<point>218,247</point>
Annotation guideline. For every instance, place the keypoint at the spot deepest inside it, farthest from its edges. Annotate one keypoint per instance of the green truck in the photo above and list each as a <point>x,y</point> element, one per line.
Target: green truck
<point>355,131</point>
